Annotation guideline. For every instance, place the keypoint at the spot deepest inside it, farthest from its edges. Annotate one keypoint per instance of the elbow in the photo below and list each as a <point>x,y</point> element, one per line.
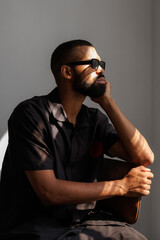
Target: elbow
<point>45,199</point>
<point>49,199</point>
<point>152,158</point>
<point>149,159</point>
<point>144,160</point>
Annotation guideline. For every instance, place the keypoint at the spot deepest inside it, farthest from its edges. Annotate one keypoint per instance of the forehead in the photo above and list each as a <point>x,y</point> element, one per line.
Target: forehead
<point>85,53</point>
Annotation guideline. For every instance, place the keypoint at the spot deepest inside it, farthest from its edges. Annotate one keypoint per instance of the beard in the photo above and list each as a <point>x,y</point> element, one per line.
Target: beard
<point>94,90</point>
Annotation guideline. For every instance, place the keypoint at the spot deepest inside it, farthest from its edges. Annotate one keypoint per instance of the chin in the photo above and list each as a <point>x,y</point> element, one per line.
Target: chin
<point>97,92</point>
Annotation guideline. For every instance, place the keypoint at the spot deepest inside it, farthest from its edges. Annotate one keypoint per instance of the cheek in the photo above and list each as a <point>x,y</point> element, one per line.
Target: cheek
<point>89,77</point>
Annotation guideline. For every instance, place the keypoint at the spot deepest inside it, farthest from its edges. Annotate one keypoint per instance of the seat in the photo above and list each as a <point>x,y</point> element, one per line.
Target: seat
<point>126,208</point>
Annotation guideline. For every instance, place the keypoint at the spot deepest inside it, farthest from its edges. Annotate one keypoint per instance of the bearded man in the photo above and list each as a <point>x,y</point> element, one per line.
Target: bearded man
<point>49,186</point>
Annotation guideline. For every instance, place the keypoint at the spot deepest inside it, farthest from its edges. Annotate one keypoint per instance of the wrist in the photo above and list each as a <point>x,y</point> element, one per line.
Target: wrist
<point>121,187</point>
<point>107,104</point>
<point>113,189</point>
<point>123,184</point>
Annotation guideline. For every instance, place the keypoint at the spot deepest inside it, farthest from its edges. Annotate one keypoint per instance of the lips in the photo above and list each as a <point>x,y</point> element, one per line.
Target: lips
<point>101,80</point>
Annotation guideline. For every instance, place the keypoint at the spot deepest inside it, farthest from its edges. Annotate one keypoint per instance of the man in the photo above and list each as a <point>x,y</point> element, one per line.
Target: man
<point>48,183</point>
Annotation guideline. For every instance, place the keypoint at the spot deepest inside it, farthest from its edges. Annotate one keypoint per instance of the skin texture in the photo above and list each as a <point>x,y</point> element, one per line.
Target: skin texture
<point>132,146</point>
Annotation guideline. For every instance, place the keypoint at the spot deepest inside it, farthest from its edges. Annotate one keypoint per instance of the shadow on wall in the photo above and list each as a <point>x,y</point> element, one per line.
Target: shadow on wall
<point>3,146</point>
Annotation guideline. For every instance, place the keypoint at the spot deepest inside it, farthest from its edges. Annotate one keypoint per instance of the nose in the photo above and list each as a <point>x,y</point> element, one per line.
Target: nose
<point>100,70</point>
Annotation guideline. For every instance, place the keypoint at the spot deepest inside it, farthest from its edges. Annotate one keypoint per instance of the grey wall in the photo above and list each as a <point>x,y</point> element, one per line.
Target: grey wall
<point>121,32</point>
<point>156,117</point>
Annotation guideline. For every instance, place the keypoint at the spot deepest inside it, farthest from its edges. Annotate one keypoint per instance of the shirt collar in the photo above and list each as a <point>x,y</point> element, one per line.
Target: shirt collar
<point>58,112</point>
<point>56,108</point>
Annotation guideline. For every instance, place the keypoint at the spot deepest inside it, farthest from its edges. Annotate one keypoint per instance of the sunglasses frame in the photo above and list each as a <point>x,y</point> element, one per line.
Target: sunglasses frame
<point>93,62</point>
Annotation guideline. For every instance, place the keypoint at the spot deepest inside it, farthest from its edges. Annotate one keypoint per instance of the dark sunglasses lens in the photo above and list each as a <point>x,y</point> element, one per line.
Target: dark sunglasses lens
<point>95,63</point>
<point>102,64</point>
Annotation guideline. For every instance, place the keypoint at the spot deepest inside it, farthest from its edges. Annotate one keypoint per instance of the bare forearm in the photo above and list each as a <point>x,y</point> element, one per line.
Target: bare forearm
<point>53,191</point>
<point>68,192</point>
<point>134,143</point>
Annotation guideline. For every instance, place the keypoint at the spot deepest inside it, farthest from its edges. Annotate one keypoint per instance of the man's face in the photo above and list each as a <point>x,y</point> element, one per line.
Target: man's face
<point>86,80</point>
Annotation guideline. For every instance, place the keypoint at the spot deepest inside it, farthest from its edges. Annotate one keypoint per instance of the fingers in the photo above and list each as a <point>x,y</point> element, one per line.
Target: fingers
<point>150,175</point>
<point>146,190</point>
<point>148,186</point>
<point>146,172</point>
<point>149,182</point>
<point>147,175</point>
<point>143,169</point>
<point>139,181</point>
<point>143,190</point>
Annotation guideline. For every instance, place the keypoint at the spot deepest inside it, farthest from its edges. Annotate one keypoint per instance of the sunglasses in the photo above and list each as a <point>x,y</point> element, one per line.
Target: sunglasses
<point>95,63</point>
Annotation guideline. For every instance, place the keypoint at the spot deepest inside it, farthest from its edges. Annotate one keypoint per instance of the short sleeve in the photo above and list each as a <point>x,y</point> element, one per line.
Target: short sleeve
<point>106,132</point>
<point>28,139</point>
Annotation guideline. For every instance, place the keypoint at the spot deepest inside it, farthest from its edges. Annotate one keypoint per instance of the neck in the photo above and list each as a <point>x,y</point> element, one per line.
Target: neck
<point>72,103</point>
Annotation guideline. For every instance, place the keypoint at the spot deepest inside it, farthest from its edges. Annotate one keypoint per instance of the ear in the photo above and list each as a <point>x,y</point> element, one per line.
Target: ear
<point>66,72</point>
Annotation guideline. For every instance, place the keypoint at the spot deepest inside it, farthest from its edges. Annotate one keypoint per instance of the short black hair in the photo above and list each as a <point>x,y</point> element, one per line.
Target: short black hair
<point>61,54</point>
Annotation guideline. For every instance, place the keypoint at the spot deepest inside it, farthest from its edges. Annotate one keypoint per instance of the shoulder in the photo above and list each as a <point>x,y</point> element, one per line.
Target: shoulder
<point>34,102</point>
<point>93,113</point>
<point>33,108</point>
<point>92,116</point>
<point>37,105</point>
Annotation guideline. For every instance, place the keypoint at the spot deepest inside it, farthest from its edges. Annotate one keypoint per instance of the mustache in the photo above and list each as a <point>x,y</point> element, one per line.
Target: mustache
<point>100,76</point>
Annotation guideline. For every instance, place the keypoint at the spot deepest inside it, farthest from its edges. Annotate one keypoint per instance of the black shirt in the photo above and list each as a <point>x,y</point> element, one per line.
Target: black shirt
<point>41,137</point>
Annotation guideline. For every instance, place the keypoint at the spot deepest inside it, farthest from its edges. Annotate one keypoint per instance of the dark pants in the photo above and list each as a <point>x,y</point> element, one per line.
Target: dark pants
<point>89,229</point>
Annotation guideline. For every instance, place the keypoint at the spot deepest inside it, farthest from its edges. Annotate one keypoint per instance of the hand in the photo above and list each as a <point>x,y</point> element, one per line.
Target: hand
<point>106,96</point>
<point>137,182</point>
